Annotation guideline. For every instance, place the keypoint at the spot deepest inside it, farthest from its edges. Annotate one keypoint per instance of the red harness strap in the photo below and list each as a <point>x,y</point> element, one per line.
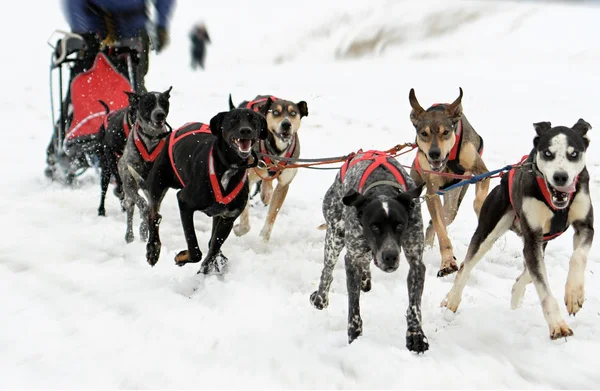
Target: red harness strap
<point>253,104</point>
<point>543,189</point>
<point>378,158</point>
<point>196,128</point>
<point>280,164</point>
<point>148,156</point>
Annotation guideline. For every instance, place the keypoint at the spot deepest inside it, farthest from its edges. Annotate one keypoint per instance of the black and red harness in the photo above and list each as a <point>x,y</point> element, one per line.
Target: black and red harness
<point>192,128</point>
<point>274,168</point>
<point>255,104</point>
<point>377,158</point>
<point>559,223</point>
<point>147,155</point>
<point>453,162</point>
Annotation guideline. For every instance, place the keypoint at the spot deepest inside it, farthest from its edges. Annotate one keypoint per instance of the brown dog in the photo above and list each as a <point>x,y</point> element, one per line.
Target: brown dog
<point>447,143</point>
<point>283,120</point>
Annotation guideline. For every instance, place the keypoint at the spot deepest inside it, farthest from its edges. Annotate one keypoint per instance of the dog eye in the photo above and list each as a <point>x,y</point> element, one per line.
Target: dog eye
<point>424,134</point>
<point>276,113</point>
<point>293,113</point>
<point>547,153</point>
<point>400,227</point>
<point>446,132</point>
<point>574,154</point>
<point>374,228</point>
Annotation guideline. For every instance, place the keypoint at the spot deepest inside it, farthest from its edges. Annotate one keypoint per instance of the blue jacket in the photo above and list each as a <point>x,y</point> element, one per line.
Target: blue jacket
<point>129,16</point>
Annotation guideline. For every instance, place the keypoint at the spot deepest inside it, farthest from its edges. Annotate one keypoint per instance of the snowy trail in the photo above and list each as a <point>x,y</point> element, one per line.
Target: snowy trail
<point>83,310</point>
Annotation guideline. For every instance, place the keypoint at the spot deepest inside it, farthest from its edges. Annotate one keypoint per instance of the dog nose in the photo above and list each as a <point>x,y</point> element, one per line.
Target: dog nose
<point>160,116</point>
<point>286,126</point>
<point>390,259</point>
<point>246,131</point>
<point>435,154</point>
<point>560,178</point>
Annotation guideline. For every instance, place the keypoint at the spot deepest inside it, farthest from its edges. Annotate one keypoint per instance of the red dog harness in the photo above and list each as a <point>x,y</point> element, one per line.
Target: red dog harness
<point>280,164</point>
<point>192,128</point>
<point>148,156</point>
<point>378,158</point>
<point>561,214</point>
<point>254,104</point>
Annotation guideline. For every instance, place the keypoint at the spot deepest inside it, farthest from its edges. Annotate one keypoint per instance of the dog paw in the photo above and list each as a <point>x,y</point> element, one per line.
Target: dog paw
<point>265,235</point>
<point>152,252</point>
<point>319,301</point>
<point>448,267</point>
<point>416,341</point>
<point>354,328</point>
<point>365,283</point>
<point>101,211</point>
<point>574,297</point>
<point>451,301</point>
<point>214,265</point>
<point>560,330</point>
<point>241,229</point>
<point>129,236</point>
<point>183,257</point>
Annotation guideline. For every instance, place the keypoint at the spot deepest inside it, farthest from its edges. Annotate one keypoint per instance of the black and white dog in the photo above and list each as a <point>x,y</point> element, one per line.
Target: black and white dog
<point>144,143</point>
<point>210,166</point>
<point>539,201</point>
<point>369,208</point>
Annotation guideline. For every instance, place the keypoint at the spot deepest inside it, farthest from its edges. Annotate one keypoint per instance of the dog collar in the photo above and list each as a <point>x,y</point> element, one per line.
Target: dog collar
<point>216,186</point>
<point>280,164</point>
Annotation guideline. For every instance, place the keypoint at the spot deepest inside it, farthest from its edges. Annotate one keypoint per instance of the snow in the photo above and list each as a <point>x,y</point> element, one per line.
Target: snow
<point>82,309</point>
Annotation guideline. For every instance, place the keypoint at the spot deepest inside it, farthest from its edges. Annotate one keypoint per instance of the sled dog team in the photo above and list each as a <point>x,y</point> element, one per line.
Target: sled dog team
<point>372,206</point>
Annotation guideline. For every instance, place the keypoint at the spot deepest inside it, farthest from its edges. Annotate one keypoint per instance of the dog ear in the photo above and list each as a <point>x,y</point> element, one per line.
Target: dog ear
<point>581,127</point>
<point>263,132</point>
<point>541,127</point>
<point>216,124</point>
<point>231,105</point>
<point>417,110</point>
<point>167,93</point>
<point>303,107</point>
<point>354,198</point>
<point>405,199</point>
<point>454,110</point>
<point>134,99</point>
<point>264,109</point>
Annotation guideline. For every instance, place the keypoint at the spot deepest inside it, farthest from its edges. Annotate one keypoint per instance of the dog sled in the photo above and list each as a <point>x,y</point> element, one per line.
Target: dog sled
<point>84,100</point>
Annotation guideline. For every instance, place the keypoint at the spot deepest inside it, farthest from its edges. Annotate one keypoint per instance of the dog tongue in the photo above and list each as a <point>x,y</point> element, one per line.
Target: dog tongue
<point>566,189</point>
<point>245,145</point>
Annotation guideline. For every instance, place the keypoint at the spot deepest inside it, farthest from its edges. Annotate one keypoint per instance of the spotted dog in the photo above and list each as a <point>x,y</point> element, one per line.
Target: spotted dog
<point>284,118</point>
<point>539,201</point>
<point>447,143</point>
<point>145,142</point>
<point>369,209</point>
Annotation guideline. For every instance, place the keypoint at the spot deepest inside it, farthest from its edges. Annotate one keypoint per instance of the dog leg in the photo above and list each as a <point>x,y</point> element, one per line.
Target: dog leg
<point>274,208</point>
<point>142,205</point>
<point>129,205</point>
<point>354,268</point>
<point>266,191</point>
<point>365,283</point>
<point>192,254</point>
<point>154,245</point>
<point>452,201</point>
<point>413,251</point>
<point>434,204</point>
<point>487,232</point>
<point>112,164</point>
<point>215,260</point>
<point>243,227</point>
<point>104,181</point>
<point>481,187</point>
<point>582,241</point>
<point>334,243</point>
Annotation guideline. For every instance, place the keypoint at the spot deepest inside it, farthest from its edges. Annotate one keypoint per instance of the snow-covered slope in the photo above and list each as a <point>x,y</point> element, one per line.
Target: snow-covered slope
<point>83,309</point>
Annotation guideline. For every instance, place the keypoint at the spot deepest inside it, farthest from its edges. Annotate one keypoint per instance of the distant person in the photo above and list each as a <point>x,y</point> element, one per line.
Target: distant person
<point>199,37</point>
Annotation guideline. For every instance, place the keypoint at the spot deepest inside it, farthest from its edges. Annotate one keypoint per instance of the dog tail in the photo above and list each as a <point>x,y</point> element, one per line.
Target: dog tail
<point>231,105</point>
<point>104,105</point>
<point>139,180</point>
<point>322,227</point>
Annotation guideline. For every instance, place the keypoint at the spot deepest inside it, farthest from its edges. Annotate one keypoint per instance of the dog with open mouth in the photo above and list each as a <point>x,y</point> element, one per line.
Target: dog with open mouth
<point>539,200</point>
<point>284,118</point>
<point>209,164</point>
<point>447,143</point>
